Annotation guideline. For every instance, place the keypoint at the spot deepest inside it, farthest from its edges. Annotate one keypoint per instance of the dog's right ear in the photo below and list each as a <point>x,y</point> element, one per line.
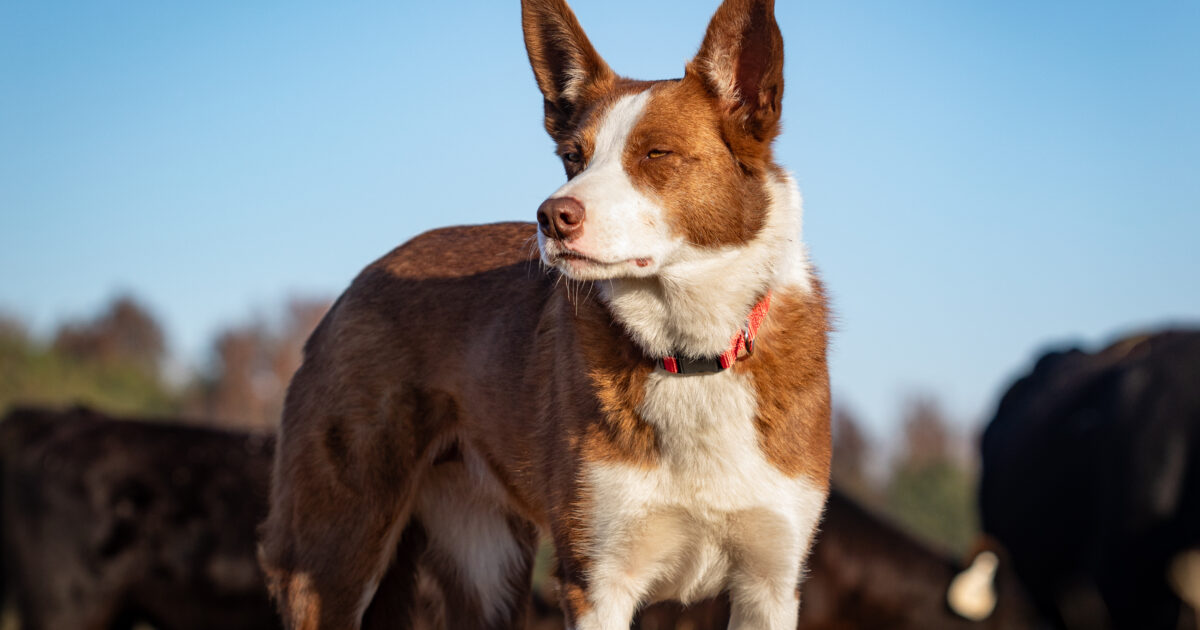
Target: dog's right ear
<point>568,70</point>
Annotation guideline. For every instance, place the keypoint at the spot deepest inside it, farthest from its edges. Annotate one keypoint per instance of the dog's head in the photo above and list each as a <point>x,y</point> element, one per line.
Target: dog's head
<point>658,172</point>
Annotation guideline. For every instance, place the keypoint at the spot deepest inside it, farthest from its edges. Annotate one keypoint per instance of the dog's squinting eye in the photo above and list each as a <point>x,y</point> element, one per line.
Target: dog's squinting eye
<point>573,157</point>
<point>654,154</point>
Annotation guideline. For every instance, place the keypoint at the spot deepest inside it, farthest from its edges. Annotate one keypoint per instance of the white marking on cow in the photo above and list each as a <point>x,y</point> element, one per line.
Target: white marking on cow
<point>972,593</point>
<point>712,514</point>
<point>1184,578</point>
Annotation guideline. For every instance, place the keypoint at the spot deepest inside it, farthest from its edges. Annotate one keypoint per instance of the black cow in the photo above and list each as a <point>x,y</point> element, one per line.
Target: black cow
<point>1091,479</point>
<point>107,523</point>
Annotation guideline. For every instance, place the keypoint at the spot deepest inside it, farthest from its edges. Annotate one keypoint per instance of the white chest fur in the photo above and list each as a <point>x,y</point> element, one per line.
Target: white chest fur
<point>711,510</point>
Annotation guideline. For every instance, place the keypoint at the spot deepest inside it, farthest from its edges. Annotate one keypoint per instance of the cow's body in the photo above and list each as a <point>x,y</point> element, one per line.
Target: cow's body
<point>1091,478</point>
<point>869,573</point>
<point>109,522</point>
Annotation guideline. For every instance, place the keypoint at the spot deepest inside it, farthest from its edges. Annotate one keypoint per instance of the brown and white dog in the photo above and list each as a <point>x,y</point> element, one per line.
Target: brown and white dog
<point>656,401</point>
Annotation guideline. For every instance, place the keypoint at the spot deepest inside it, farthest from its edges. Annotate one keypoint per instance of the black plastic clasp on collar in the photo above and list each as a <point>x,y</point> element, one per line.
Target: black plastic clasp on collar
<point>686,365</point>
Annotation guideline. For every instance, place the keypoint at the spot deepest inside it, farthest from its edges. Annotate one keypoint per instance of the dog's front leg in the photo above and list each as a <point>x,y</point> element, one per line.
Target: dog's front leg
<point>608,607</point>
<point>764,583</point>
<point>764,592</point>
<point>764,603</point>
<point>603,590</point>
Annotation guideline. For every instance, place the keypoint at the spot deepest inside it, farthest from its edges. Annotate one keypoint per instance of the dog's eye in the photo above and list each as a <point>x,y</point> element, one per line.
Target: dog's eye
<point>573,157</point>
<point>654,154</point>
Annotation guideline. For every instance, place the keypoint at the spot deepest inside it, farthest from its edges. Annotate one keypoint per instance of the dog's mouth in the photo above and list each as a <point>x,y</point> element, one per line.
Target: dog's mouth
<point>584,267</point>
<point>575,258</point>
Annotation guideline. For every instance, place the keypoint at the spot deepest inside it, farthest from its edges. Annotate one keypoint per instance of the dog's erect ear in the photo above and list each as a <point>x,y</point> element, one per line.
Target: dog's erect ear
<point>568,70</point>
<point>741,64</point>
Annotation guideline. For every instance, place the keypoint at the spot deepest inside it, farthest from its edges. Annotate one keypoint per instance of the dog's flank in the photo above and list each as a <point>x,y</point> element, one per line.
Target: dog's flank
<point>455,402</point>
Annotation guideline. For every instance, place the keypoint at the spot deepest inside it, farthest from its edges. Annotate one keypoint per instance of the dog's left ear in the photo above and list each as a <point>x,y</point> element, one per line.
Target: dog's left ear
<point>741,64</point>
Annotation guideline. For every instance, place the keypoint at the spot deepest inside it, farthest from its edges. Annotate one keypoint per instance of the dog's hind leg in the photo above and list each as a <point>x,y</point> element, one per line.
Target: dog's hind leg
<point>397,603</point>
<point>479,553</point>
<point>347,465</point>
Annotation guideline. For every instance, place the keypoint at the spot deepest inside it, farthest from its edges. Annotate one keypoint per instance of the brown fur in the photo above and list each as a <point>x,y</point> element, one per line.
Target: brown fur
<point>559,50</point>
<point>360,423</point>
<point>752,97</point>
<point>709,199</point>
<point>792,380</point>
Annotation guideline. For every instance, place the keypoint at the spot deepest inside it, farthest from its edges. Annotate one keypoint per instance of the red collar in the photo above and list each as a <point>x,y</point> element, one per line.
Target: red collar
<point>744,339</point>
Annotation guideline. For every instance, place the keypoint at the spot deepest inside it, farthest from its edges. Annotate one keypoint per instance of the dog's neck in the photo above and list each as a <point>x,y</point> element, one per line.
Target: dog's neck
<point>701,300</point>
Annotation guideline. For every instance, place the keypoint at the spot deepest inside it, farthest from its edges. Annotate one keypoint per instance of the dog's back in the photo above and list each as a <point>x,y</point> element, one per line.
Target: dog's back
<point>425,311</point>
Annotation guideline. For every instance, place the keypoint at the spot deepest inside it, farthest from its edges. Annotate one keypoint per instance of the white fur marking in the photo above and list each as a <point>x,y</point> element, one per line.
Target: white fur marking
<point>713,513</point>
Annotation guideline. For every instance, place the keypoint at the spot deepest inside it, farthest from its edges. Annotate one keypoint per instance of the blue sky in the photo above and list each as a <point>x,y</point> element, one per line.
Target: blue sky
<point>982,179</point>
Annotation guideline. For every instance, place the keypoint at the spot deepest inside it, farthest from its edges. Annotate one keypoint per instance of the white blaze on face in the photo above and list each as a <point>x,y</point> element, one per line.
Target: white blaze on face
<point>622,224</point>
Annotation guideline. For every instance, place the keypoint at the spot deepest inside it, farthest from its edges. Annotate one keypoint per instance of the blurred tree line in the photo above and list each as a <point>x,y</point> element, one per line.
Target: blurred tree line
<point>925,483</point>
<point>114,361</point>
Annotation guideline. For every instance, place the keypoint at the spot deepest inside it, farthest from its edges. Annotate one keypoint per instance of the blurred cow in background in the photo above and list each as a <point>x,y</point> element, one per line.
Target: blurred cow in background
<point>868,573</point>
<point>107,523</point>
<point>1091,479</point>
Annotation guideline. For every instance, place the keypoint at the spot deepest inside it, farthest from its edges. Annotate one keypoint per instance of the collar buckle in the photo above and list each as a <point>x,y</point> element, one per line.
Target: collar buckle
<point>687,365</point>
<point>744,339</point>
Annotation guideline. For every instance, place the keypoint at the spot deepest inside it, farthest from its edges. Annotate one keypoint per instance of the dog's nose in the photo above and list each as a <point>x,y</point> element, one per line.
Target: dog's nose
<point>561,218</point>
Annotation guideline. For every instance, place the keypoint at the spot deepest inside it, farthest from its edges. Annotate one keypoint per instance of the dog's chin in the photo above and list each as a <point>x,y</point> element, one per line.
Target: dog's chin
<point>583,268</point>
